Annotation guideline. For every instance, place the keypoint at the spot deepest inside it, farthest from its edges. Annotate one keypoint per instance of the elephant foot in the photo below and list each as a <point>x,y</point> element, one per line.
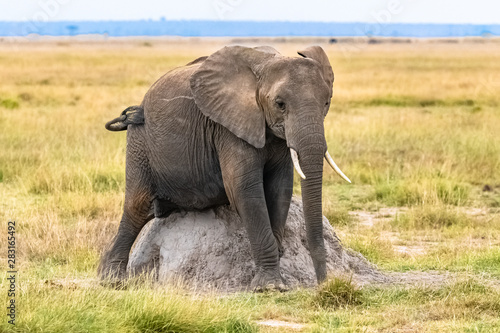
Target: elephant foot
<point>267,281</point>
<point>113,276</point>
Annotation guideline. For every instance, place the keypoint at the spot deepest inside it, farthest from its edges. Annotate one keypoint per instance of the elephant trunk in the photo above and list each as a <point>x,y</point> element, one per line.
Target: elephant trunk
<point>311,150</point>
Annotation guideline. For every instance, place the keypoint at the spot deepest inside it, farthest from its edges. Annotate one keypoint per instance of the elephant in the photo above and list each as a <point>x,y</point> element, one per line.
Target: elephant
<point>229,128</point>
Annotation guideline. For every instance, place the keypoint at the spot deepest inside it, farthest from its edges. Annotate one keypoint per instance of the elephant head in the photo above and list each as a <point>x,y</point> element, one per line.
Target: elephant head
<point>253,90</point>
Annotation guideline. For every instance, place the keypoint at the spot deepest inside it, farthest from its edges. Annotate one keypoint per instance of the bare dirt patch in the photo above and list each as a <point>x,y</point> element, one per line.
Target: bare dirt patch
<point>369,219</point>
<point>71,283</point>
<point>282,324</point>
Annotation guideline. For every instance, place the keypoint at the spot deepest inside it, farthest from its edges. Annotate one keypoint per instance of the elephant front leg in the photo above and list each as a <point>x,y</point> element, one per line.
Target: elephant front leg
<point>252,209</point>
<point>278,187</point>
<point>246,194</point>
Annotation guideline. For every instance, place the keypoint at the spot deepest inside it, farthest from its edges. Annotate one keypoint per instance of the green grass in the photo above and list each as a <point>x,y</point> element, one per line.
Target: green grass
<point>433,218</point>
<point>338,292</point>
<point>461,303</point>
<point>414,126</point>
<point>137,309</point>
<point>9,103</point>
<point>408,193</point>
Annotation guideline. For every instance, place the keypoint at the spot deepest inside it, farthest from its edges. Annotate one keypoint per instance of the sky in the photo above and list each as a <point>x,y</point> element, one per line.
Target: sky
<point>386,11</point>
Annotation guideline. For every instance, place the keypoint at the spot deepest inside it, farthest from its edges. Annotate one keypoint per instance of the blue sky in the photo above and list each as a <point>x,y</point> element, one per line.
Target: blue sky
<point>389,11</point>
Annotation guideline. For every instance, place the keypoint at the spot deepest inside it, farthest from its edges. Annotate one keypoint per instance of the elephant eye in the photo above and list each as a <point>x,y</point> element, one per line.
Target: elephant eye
<point>280,104</point>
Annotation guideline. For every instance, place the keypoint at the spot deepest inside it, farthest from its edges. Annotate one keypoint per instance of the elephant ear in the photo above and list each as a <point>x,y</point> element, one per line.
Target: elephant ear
<point>224,89</point>
<point>318,54</point>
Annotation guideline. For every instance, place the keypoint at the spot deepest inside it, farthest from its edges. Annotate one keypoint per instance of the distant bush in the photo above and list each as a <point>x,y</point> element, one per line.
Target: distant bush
<point>9,104</point>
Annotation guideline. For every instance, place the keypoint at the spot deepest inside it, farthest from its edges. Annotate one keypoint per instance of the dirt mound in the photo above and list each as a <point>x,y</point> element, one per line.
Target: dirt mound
<point>210,249</point>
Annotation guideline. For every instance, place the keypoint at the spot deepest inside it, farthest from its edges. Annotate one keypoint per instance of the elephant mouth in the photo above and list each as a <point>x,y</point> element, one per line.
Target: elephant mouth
<point>278,130</point>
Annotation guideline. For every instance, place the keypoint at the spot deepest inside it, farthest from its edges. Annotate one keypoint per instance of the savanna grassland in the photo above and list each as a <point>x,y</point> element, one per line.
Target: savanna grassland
<point>416,127</point>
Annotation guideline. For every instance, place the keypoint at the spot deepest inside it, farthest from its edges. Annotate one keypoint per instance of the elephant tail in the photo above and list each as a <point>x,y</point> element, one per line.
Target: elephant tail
<point>133,115</point>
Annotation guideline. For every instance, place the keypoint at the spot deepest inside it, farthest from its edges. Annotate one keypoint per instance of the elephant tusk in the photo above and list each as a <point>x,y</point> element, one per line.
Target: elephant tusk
<point>296,164</point>
<point>334,166</point>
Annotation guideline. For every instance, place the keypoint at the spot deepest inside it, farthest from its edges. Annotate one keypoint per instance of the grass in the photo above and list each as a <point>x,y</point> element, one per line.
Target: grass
<point>459,304</point>
<point>338,292</point>
<point>415,126</point>
<point>433,218</point>
<point>137,309</point>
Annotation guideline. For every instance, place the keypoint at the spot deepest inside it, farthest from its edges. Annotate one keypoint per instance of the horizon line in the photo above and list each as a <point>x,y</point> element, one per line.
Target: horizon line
<point>221,28</point>
<point>249,21</point>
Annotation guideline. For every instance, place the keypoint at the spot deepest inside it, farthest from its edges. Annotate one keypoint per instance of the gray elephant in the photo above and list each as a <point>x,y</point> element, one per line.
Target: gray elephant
<point>228,129</point>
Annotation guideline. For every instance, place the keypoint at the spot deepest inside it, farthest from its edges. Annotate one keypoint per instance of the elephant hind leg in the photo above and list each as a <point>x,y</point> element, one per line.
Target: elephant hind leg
<point>138,209</point>
<point>114,261</point>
